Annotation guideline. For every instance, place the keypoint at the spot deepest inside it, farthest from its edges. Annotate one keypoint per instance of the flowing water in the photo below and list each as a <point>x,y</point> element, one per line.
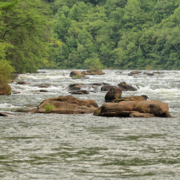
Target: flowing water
<point>87,147</point>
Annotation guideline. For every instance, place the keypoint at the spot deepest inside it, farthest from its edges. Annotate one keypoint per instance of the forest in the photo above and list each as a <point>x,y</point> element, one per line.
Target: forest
<point>74,34</point>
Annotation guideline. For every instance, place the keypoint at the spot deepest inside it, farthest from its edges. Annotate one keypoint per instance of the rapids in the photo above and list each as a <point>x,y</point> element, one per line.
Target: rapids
<point>75,147</point>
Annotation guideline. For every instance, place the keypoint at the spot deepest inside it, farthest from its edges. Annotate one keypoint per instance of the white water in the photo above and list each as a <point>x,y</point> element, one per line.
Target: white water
<point>87,147</point>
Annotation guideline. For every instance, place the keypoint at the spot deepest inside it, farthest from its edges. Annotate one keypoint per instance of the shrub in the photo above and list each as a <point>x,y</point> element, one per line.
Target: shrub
<point>49,108</point>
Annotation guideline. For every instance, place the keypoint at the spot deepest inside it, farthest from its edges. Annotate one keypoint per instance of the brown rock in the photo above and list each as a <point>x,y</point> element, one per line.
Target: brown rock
<point>131,98</point>
<point>134,72</point>
<point>74,87</point>
<point>80,92</point>
<point>126,87</point>
<point>75,73</point>
<point>22,83</point>
<point>107,87</point>
<point>157,108</point>
<point>113,93</point>
<point>138,114</point>
<point>68,105</point>
<point>42,90</point>
<point>88,72</point>
<point>149,74</point>
<point>5,89</point>
<point>7,114</point>
<point>134,109</point>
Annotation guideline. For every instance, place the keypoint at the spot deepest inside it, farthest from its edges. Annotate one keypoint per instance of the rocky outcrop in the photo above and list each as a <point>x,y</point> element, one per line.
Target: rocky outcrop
<point>126,87</point>
<point>134,109</point>
<point>5,89</point>
<point>67,105</point>
<point>113,93</point>
<point>88,72</point>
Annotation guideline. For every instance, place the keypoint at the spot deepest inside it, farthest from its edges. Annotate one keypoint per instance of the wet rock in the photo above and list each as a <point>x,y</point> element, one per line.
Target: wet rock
<point>107,87</point>
<point>113,93</point>
<point>134,109</point>
<point>28,110</point>
<point>134,72</point>
<point>42,90</point>
<point>157,108</point>
<point>100,84</point>
<point>131,98</point>
<point>149,74</point>
<point>138,114</point>
<point>88,72</point>
<point>126,87</point>
<point>75,87</point>
<point>68,105</point>
<point>5,89</point>
<point>44,85</point>
<point>22,83</point>
<point>7,114</point>
<point>80,92</point>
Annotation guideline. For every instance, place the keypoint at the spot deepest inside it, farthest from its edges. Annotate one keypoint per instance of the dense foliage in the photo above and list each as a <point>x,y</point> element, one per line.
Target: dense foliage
<point>95,34</point>
<point>124,34</point>
<point>24,34</point>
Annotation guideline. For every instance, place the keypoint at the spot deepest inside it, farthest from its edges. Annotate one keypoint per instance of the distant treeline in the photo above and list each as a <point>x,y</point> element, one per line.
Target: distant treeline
<point>123,34</point>
<point>120,34</point>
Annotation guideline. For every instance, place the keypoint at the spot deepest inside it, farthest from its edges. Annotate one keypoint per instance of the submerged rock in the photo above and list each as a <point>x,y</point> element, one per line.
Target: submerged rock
<point>67,105</point>
<point>44,85</point>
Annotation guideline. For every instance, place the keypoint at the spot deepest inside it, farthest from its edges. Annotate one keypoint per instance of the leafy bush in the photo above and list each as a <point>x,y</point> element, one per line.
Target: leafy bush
<point>5,72</point>
<point>49,108</point>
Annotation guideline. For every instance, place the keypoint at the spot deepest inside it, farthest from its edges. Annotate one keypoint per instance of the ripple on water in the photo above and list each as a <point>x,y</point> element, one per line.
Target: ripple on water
<point>84,147</point>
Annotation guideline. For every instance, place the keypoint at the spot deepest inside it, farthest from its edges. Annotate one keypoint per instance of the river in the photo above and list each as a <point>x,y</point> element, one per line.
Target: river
<point>87,147</point>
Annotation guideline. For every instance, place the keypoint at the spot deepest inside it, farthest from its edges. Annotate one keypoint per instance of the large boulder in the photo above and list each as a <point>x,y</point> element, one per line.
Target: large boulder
<point>113,93</point>
<point>134,109</point>
<point>157,108</point>
<point>5,89</point>
<point>68,105</point>
<point>126,87</point>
